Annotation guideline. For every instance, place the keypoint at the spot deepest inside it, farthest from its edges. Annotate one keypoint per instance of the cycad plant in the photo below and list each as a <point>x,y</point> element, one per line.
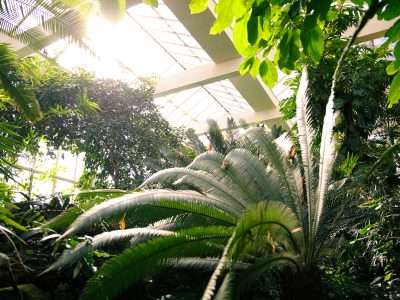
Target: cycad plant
<point>242,214</point>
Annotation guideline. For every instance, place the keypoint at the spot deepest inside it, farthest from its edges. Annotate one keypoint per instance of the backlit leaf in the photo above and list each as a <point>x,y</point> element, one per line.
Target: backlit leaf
<point>240,36</point>
<point>394,32</point>
<point>153,3</point>
<point>198,6</point>
<point>391,10</point>
<point>393,67</point>
<point>254,68</point>
<point>226,11</point>
<point>246,65</point>
<point>394,93</point>
<point>268,73</point>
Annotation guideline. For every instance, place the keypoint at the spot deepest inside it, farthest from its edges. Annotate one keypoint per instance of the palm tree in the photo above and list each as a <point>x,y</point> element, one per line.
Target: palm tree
<point>250,207</point>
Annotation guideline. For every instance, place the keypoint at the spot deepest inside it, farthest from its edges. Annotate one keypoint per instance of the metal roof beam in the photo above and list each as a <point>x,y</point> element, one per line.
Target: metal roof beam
<point>209,73</point>
<point>197,76</point>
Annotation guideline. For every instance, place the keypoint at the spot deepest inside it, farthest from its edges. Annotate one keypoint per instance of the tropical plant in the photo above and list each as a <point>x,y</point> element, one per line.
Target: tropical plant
<point>262,214</point>
<point>248,205</point>
<point>288,33</point>
<point>360,98</point>
<point>119,128</point>
<point>225,140</point>
<point>124,141</point>
<point>370,248</point>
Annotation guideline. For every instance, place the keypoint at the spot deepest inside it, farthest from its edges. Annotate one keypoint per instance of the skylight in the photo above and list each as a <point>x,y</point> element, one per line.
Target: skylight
<point>152,42</point>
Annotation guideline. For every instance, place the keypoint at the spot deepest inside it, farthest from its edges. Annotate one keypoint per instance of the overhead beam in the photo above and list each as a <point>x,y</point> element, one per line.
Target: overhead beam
<point>209,73</point>
<point>197,76</point>
<point>220,49</point>
<point>373,30</point>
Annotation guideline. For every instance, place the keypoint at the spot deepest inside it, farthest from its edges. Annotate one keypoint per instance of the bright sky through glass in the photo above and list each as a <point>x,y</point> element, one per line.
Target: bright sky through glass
<point>151,42</point>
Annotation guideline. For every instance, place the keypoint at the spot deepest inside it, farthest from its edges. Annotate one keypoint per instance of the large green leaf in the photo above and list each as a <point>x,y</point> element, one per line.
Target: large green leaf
<point>289,49</point>
<point>391,10</point>
<point>226,11</point>
<point>268,72</point>
<point>149,258</point>
<point>312,39</point>
<point>102,240</point>
<point>182,201</point>
<point>394,93</point>
<point>84,201</point>
<point>198,6</point>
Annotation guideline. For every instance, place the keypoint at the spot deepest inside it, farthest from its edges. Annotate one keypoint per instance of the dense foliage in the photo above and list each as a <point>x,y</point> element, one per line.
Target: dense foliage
<point>124,139</point>
<point>259,215</point>
<point>118,127</point>
<point>361,98</point>
<point>252,202</point>
<point>291,33</point>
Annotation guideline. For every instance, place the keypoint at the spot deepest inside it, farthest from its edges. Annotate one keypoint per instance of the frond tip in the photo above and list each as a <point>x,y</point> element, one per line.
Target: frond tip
<point>306,138</point>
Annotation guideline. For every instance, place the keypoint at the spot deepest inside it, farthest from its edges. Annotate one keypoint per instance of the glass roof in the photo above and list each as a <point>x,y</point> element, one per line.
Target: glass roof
<point>152,42</point>
<point>192,107</point>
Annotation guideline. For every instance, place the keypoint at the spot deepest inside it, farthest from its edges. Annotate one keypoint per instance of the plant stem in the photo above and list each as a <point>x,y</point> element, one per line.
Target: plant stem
<point>369,14</point>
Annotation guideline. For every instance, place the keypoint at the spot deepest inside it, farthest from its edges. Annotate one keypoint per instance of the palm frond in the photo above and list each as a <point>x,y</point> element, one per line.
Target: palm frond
<point>277,218</point>
<point>13,83</point>
<point>213,163</point>
<point>201,263</point>
<point>212,156</point>
<point>261,143</point>
<point>251,176</point>
<point>306,138</point>
<point>201,181</point>
<point>51,18</point>
<point>219,270</point>
<point>225,291</point>
<point>149,258</point>
<point>102,240</point>
<point>326,160</point>
<point>84,200</point>
<point>182,201</point>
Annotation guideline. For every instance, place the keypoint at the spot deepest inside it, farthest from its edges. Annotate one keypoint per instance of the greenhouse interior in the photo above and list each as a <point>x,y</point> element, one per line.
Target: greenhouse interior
<point>196,149</point>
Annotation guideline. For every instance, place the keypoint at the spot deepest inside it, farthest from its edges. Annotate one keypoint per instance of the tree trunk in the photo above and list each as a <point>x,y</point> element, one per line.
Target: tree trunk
<point>305,284</point>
